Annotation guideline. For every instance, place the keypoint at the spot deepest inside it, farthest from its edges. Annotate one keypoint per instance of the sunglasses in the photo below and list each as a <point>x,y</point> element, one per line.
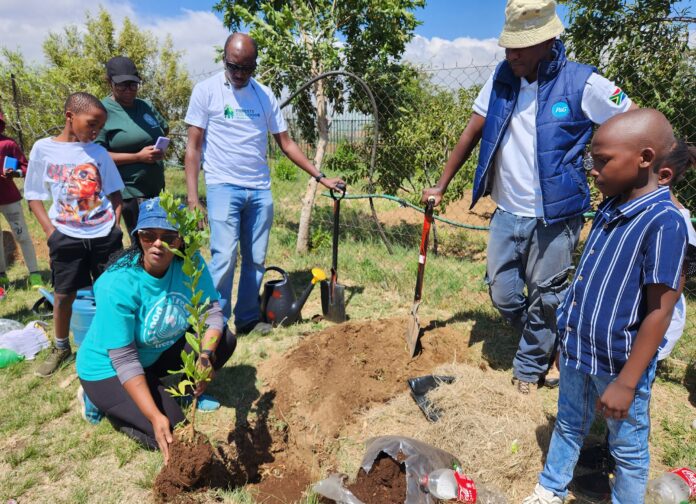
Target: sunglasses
<point>122,86</point>
<point>148,237</point>
<point>234,68</point>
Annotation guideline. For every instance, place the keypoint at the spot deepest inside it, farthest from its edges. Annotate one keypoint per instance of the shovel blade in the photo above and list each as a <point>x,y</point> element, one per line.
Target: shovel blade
<point>413,330</point>
<point>333,302</point>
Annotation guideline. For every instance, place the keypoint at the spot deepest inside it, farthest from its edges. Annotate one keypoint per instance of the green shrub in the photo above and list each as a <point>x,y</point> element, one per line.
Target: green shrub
<point>285,170</point>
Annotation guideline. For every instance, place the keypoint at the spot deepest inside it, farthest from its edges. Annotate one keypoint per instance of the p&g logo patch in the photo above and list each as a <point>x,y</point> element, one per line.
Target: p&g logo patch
<point>560,109</point>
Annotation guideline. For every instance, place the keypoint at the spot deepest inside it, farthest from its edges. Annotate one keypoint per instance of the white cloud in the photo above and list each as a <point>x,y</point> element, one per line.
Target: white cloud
<point>197,33</point>
<point>25,25</point>
<point>455,63</point>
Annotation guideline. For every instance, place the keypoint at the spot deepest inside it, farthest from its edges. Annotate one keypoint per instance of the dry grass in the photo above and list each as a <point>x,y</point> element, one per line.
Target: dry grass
<point>497,435</point>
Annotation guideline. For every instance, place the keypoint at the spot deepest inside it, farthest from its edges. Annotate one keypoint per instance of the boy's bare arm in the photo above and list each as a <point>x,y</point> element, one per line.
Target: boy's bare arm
<point>37,208</point>
<point>618,396</point>
<point>117,203</point>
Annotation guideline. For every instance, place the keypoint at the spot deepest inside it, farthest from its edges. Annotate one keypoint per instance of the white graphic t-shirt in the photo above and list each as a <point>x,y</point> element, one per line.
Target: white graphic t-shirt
<point>236,123</point>
<point>77,177</point>
<point>151,312</point>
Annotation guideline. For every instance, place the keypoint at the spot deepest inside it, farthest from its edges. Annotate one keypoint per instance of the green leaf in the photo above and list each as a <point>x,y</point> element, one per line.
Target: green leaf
<point>193,343</point>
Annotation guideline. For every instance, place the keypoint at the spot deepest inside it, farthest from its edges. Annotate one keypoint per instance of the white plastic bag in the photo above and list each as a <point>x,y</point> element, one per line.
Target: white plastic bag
<point>420,459</point>
<point>27,341</point>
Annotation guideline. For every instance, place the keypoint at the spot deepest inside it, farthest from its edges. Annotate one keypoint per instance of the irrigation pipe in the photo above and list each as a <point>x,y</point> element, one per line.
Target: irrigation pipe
<point>405,203</point>
<point>373,154</point>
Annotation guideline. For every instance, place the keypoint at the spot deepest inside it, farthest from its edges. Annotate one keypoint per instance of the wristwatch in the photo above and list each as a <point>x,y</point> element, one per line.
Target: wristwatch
<point>319,177</point>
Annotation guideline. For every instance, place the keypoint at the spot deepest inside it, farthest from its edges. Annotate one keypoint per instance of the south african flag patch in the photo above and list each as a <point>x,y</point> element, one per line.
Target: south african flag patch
<point>618,96</point>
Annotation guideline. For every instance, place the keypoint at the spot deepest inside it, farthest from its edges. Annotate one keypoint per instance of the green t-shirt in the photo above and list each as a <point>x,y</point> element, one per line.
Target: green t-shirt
<point>132,305</point>
<point>129,130</point>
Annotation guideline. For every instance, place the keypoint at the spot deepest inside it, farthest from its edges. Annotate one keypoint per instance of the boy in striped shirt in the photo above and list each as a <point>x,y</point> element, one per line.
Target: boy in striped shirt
<point>618,306</point>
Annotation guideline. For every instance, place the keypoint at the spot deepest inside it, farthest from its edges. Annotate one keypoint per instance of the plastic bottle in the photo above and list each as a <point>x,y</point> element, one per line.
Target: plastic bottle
<point>448,484</point>
<point>675,487</point>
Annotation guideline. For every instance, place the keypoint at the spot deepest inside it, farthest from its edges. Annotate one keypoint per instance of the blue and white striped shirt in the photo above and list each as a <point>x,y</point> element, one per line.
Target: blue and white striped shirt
<point>638,243</point>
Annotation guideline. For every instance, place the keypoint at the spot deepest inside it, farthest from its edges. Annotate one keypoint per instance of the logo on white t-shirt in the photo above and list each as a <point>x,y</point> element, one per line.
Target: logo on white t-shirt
<point>165,320</point>
<point>560,109</point>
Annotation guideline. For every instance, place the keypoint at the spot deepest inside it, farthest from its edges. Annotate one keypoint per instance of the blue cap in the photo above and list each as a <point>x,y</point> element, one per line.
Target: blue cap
<point>152,216</point>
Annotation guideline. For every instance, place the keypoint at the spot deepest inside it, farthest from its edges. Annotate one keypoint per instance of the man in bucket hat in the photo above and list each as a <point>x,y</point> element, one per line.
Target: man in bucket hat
<point>533,117</point>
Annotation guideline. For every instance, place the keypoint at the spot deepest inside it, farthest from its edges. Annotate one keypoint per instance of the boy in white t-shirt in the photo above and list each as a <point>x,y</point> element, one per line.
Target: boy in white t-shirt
<point>82,223</point>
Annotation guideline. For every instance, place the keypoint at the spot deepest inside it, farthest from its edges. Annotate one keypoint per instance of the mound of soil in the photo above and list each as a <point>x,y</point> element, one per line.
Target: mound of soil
<point>386,482</point>
<point>327,381</point>
<point>336,373</point>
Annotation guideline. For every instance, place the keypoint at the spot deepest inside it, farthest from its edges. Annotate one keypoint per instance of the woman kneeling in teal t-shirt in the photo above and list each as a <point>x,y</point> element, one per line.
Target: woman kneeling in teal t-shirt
<point>137,334</point>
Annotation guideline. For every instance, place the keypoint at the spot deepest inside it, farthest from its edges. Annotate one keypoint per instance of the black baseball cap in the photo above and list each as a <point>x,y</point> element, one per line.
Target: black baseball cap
<point>122,69</point>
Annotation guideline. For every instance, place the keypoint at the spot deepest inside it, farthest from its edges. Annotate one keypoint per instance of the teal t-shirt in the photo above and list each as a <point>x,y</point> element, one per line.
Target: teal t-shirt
<point>132,305</point>
<point>129,130</point>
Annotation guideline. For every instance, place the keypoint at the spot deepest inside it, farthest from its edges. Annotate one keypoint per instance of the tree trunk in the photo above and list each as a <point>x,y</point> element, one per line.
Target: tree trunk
<point>310,192</point>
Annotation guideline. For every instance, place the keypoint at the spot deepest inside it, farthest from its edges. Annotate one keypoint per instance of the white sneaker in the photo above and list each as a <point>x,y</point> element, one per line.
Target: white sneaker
<point>542,496</point>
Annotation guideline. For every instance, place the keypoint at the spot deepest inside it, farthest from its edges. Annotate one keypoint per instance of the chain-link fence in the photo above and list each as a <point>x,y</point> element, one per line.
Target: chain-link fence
<point>421,114</point>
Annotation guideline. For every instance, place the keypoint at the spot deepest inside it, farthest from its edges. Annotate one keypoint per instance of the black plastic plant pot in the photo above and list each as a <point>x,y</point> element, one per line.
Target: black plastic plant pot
<point>419,389</point>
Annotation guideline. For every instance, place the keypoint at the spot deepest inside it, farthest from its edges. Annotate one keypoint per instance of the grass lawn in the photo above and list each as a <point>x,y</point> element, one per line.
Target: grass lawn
<point>49,454</point>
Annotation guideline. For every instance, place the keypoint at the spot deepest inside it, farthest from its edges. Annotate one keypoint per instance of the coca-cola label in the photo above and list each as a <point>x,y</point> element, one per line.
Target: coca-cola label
<point>466,489</point>
<point>690,477</point>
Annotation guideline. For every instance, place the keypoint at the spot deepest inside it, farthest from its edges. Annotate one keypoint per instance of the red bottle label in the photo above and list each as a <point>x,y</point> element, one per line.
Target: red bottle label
<point>466,489</point>
<point>690,477</point>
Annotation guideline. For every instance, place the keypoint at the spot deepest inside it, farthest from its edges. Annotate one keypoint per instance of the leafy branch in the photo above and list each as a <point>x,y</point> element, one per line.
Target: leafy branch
<point>193,237</point>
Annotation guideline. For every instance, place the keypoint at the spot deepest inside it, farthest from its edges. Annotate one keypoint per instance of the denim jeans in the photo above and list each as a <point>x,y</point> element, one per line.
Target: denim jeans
<point>239,218</point>
<point>523,252</point>
<point>628,439</point>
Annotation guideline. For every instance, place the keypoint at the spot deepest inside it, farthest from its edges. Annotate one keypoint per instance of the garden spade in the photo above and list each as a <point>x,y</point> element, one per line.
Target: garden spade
<point>333,301</point>
<point>413,329</point>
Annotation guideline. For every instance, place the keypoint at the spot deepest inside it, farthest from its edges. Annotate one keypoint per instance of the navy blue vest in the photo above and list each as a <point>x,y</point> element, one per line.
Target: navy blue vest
<point>562,133</point>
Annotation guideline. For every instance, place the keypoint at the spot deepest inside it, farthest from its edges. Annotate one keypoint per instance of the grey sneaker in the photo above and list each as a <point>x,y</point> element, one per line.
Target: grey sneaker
<point>53,362</point>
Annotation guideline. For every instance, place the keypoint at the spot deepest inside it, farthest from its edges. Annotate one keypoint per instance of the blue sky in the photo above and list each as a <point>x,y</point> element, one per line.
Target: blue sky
<point>441,18</point>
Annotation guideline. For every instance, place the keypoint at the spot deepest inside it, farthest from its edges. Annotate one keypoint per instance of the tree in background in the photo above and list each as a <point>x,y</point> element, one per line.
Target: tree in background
<point>644,46</point>
<point>75,62</point>
<point>301,39</point>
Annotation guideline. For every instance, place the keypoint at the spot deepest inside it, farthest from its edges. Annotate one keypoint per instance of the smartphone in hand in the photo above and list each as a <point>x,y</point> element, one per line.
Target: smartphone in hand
<point>162,143</point>
<point>10,164</point>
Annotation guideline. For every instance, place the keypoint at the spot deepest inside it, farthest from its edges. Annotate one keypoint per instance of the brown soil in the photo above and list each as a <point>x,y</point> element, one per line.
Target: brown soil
<point>385,483</point>
<point>188,464</point>
<point>326,382</point>
<point>196,466</point>
<point>314,391</point>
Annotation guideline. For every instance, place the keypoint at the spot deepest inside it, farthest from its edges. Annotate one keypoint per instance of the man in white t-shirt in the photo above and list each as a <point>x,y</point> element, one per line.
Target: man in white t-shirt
<point>533,117</point>
<point>229,118</point>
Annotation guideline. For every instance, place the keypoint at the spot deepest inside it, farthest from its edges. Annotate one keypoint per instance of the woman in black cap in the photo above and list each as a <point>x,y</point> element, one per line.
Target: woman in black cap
<point>130,132</point>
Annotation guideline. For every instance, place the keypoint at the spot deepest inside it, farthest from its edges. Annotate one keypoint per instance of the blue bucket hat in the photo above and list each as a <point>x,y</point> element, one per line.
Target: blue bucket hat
<point>152,216</point>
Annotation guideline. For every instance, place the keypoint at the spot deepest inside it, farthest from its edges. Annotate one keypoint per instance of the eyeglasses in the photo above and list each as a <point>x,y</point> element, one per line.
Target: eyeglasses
<point>122,86</point>
<point>234,68</point>
<point>148,237</point>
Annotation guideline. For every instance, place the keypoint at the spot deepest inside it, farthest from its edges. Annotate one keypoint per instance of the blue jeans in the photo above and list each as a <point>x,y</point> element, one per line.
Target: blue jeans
<point>523,252</point>
<point>628,439</point>
<point>239,218</point>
